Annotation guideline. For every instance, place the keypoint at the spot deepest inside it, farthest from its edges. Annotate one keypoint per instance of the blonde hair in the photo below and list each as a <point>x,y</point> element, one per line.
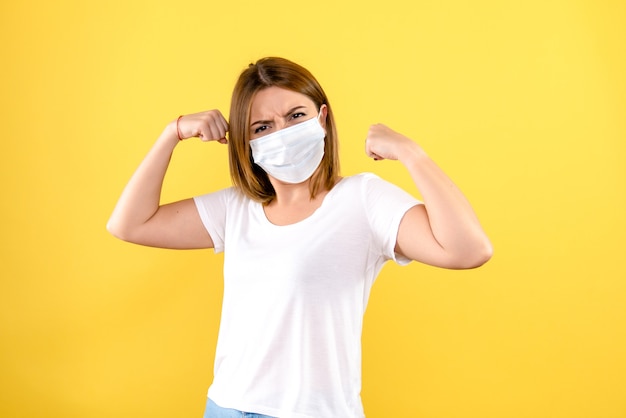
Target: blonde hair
<point>279,72</point>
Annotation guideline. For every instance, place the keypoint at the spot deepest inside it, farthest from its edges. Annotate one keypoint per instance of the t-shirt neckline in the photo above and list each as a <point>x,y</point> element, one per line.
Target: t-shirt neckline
<point>329,196</point>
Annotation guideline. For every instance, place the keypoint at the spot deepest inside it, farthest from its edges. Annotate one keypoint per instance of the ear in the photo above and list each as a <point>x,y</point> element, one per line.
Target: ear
<point>323,114</point>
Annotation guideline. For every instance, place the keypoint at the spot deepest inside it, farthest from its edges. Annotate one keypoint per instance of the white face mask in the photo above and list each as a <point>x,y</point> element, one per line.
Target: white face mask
<point>291,154</point>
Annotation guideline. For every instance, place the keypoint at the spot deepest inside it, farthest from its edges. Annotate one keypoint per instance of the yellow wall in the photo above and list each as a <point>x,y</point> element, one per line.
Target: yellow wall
<point>523,103</point>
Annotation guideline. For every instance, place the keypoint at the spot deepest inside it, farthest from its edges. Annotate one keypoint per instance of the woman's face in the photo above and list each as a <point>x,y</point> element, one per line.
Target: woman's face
<point>275,108</point>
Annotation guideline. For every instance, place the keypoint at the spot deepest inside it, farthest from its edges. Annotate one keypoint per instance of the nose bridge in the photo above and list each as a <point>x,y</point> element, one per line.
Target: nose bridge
<point>280,122</point>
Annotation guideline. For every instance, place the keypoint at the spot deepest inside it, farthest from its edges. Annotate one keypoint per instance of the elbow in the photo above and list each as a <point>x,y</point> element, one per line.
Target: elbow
<point>112,229</point>
<point>117,230</point>
<point>482,259</point>
<point>480,253</point>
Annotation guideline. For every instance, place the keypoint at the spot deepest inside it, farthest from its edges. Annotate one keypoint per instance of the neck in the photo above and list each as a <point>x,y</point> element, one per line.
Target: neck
<point>291,194</point>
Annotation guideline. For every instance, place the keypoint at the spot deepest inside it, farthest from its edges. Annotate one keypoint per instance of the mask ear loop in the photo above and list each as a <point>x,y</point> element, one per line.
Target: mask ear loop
<point>319,112</point>
<point>319,115</point>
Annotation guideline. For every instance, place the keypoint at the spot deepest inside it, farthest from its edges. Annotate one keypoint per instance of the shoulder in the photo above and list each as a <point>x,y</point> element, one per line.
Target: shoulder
<point>377,192</point>
<point>367,183</point>
<point>372,192</point>
<point>227,197</point>
<point>358,181</point>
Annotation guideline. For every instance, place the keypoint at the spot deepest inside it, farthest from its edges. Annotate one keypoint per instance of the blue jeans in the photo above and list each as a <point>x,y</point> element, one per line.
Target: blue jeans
<point>214,411</point>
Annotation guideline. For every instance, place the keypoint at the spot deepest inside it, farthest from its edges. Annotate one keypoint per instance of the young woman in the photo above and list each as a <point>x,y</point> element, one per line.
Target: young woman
<point>302,245</point>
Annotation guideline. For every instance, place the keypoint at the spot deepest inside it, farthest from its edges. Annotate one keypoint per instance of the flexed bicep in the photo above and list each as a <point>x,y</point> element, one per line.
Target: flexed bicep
<point>416,240</point>
<point>139,216</point>
<point>174,225</point>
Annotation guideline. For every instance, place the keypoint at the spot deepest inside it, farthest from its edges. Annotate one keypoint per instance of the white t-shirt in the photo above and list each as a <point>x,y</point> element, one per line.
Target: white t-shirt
<point>289,343</point>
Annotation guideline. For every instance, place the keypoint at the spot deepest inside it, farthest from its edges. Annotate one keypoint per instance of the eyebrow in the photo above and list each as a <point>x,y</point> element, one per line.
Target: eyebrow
<point>289,112</point>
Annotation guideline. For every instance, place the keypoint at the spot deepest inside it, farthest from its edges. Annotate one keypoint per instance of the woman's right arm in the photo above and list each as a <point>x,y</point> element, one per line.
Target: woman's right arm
<point>139,217</point>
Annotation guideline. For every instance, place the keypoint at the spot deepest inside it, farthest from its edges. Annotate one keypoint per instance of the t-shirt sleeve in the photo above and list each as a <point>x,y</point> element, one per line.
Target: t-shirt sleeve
<point>386,204</point>
<point>212,210</point>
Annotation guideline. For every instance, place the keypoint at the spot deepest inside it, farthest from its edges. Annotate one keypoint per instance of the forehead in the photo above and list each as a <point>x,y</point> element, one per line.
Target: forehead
<point>277,100</point>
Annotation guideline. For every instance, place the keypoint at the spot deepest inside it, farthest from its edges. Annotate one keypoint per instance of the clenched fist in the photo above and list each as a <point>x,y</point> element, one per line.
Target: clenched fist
<point>383,143</point>
<point>208,126</point>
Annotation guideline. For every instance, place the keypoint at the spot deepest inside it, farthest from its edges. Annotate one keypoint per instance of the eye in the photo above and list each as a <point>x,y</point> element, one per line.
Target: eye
<point>261,129</point>
<point>297,115</point>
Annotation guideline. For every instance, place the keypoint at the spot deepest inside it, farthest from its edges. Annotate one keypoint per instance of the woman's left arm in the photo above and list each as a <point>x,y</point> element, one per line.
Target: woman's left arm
<point>443,232</point>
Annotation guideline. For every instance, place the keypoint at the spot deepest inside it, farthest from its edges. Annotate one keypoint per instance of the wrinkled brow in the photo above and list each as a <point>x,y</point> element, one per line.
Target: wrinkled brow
<point>289,112</point>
